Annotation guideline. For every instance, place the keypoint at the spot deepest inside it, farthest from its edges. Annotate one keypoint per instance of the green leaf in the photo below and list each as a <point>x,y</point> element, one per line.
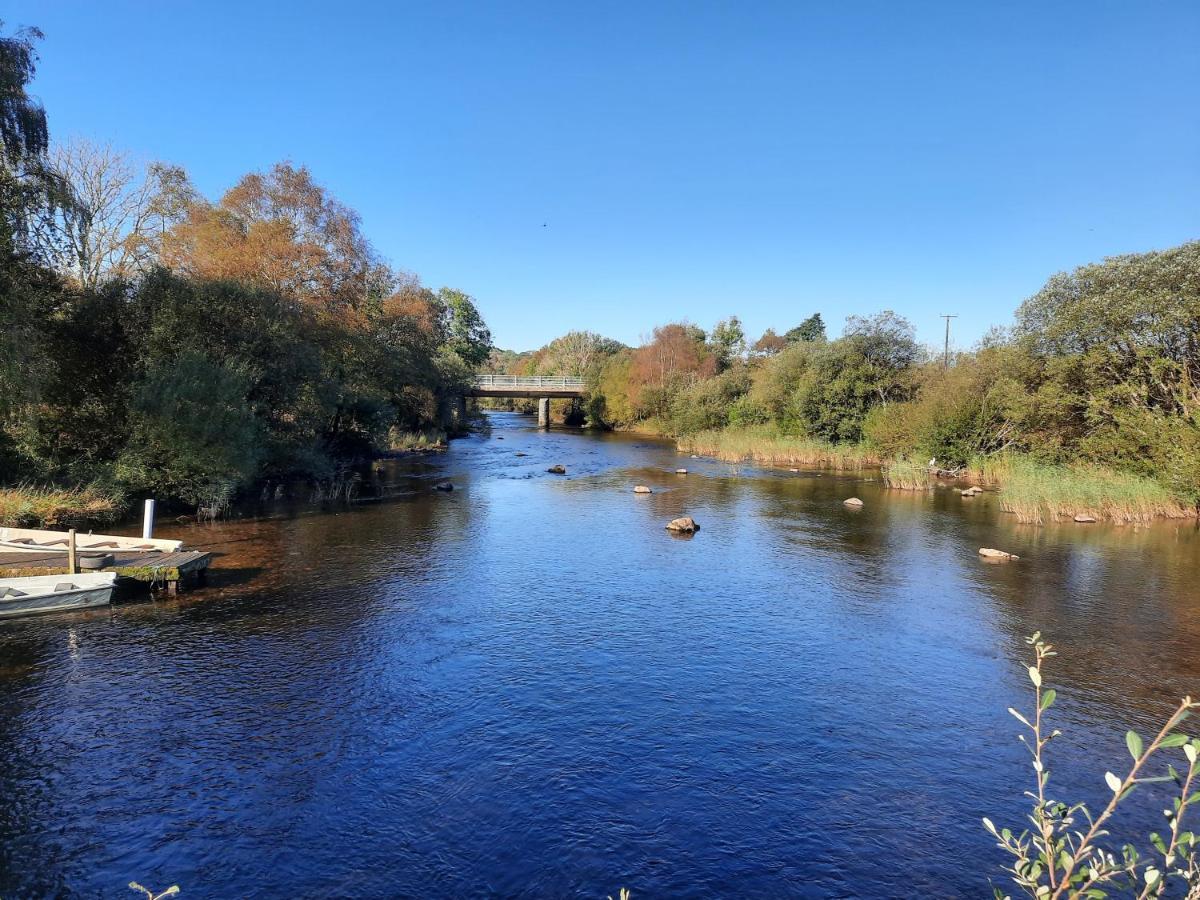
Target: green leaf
<point>1048,698</point>
<point>1035,676</point>
<point>1113,782</point>
<point>1175,740</point>
<point>1134,742</point>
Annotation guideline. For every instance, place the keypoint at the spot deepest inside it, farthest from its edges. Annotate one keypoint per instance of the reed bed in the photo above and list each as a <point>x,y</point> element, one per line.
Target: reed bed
<point>425,439</point>
<point>28,506</point>
<point>1037,492</point>
<point>767,446</point>
<point>906,475</point>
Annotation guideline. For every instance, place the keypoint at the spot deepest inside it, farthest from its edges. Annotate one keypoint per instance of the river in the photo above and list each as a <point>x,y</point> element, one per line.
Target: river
<point>527,687</point>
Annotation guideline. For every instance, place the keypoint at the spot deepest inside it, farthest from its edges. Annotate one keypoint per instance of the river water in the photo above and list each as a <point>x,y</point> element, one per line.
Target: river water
<point>527,687</point>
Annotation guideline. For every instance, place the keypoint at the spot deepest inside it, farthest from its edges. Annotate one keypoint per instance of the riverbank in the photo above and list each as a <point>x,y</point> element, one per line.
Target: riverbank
<point>1032,491</point>
<point>36,507</point>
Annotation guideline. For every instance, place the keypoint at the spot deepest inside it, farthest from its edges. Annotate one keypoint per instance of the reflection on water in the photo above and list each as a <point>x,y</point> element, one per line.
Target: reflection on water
<point>528,687</point>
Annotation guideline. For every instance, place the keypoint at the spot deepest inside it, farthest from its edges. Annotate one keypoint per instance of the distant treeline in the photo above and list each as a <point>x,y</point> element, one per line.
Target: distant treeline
<point>154,341</point>
<point>1100,369</point>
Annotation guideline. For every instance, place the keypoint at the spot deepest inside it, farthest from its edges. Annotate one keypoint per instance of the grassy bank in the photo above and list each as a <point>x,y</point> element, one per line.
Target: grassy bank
<point>34,507</point>
<point>768,446</point>
<point>412,441</point>
<point>1036,492</point>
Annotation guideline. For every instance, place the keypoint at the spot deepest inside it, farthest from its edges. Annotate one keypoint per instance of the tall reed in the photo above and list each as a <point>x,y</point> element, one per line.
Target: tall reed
<point>29,506</point>
<point>763,444</point>
<point>907,475</point>
<point>1038,492</point>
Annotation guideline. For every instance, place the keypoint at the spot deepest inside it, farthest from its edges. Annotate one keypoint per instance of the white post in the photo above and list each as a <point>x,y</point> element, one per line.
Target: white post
<point>148,520</point>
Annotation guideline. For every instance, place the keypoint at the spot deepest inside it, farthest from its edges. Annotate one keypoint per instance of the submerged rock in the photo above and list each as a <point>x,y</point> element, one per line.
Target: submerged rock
<point>683,525</point>
<point>519,453</point>
<point>557,470</point>
<point>642,489</point>
<point>1084,519</point>
<point>853,502</point>
<point>989,553</point>
<point>443,486</point>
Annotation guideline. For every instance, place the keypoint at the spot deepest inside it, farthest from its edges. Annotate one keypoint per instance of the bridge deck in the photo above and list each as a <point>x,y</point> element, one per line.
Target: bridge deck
<point>527,386</point>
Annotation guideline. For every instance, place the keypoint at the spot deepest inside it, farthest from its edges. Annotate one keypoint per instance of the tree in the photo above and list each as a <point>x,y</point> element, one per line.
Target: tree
<point>280,229</point>
<point>576,353</point>
<point>467,335</point>
<point>728,342</point>
<point>28,190</point>
<point>811,329</point>
<point>769,344</point>
<point>118,214</point>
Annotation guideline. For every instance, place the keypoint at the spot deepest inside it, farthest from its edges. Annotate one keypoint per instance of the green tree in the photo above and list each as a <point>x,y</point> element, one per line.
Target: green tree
<point>811,329</point>
<point>728,341</point>
<point>467,334</point>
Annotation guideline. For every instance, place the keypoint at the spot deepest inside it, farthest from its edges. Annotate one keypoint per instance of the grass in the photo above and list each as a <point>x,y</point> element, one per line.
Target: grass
<point>906,475</point>
<point>1037,492</point>
<point>766,445</point>
<point>425,439</point>
<point>35,507</point>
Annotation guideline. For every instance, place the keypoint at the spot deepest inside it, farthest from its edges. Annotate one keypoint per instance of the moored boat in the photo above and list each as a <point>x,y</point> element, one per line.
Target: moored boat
<point>54,593</point>
<point>36,540</point>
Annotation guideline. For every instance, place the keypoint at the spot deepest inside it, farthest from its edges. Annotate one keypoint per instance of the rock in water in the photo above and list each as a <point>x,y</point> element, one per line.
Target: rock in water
<point>443,486</point>
<point>853,502</point>
<point>557,470</point>
<point>642,489</point>
<point>1085,519</point>
<point>989,553</point>
<point>683,525</point>
<point>681,471</point>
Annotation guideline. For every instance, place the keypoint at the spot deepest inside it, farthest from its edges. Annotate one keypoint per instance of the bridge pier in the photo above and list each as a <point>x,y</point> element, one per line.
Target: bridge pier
<point>543,412</point>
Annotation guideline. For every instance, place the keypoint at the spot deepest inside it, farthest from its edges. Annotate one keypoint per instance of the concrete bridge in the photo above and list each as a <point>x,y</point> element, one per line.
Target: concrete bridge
<point>542,387</point>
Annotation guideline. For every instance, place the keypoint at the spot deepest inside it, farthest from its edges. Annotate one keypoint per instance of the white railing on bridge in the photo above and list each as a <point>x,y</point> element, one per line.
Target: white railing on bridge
<point>529,382</point>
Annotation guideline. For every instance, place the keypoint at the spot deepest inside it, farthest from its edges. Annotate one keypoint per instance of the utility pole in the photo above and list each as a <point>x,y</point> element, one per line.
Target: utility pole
<point>946,357</point>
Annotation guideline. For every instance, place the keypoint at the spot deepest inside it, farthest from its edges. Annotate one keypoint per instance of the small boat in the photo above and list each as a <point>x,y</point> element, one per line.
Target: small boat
<point>54,593</point>
<point>34,540</point>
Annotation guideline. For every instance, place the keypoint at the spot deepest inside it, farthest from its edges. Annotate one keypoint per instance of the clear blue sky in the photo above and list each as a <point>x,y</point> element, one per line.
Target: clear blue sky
<point>688,159</point>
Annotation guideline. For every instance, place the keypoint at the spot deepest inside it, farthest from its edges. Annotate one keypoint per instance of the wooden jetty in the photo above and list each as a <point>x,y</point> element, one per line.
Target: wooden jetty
<point>170,571</point>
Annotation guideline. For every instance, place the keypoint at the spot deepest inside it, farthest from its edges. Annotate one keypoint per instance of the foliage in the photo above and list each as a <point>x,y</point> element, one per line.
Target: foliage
<point>811,329</point>
<point>1064,852</point>
<point>466,332</point>
<point>189,348</point>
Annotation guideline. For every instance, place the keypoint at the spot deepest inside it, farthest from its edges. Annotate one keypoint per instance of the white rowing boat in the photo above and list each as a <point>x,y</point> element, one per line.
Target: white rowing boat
<point>35,540</point>
<point>54,593</point>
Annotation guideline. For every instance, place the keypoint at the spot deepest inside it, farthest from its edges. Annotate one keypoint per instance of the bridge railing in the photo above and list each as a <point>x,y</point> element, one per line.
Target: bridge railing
<point>529,382</point>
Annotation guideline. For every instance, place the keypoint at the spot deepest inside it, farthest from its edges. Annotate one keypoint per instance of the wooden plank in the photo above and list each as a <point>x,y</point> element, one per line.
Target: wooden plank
<point>146,567</point>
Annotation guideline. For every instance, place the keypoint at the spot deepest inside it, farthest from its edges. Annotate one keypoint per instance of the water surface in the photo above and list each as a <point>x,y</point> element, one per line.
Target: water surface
<point>527,687</point>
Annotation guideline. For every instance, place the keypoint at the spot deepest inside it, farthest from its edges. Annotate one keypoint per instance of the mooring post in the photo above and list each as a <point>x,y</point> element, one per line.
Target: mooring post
<point>543,412</point>
<point>72,567</point>
<point>148,520</point>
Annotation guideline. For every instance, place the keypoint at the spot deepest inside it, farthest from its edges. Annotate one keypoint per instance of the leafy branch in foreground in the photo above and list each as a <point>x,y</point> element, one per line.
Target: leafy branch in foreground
<point>1061,854</point>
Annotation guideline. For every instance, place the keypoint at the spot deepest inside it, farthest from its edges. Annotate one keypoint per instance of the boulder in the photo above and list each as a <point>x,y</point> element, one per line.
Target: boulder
<point>557,470</point>
<point>683,525</point>
<point>989,553</point>
<point>1084,519</point>
<point>681,471</point>
<point>443,486</point>
<point>853,503</point>
<point>642,489</point>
